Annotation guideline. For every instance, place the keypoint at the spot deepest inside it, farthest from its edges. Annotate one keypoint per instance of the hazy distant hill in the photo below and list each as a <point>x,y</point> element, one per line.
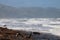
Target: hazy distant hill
<point>12,12</point>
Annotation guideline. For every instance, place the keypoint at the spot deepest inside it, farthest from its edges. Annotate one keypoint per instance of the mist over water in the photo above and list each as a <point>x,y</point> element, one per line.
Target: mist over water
<point>48,25</point>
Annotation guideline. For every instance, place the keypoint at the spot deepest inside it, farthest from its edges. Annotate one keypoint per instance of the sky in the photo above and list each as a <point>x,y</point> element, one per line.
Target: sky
<point>31,3</point>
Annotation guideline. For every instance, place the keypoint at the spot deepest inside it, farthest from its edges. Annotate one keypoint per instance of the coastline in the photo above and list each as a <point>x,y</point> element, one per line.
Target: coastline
<point>10,34</point>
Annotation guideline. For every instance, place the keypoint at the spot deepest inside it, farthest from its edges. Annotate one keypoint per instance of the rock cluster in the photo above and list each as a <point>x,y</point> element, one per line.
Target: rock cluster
<point>9,34</point>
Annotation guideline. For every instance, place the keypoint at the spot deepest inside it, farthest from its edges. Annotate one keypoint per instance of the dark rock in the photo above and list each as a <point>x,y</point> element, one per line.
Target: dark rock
<point>9,34</point>
<point>36,33</point>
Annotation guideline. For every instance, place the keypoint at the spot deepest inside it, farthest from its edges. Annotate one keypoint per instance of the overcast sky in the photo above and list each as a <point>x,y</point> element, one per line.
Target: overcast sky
<point>32,3</point>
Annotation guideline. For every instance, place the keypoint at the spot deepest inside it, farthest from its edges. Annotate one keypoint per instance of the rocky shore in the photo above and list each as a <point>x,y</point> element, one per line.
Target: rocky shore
<point>10,34</point>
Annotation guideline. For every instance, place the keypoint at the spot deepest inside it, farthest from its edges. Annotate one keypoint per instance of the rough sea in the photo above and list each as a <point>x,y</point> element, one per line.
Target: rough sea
<point>46,25</point>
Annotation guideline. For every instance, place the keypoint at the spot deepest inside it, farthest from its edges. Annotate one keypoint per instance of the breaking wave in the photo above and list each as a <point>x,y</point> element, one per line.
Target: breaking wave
<point>49,25</point>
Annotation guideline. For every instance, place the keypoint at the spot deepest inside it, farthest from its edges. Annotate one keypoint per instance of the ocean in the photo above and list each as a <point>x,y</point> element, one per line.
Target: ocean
<point>46,25</point>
